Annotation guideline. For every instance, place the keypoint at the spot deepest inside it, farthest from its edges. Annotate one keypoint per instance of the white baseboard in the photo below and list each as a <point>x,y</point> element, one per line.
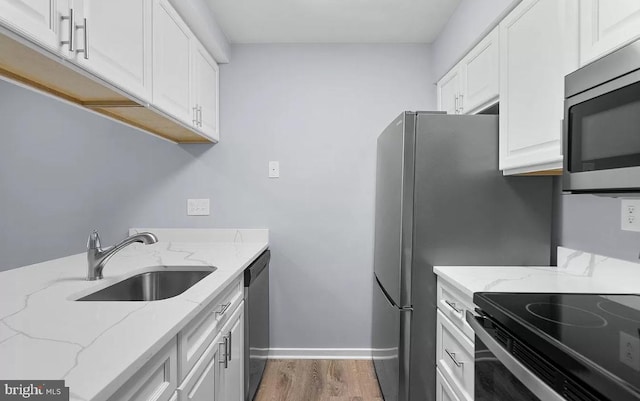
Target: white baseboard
<point>320,353</point>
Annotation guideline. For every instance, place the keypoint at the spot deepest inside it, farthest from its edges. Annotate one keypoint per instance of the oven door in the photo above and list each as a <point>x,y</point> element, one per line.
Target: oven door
<point>602,137</point>
<point>498,375</point>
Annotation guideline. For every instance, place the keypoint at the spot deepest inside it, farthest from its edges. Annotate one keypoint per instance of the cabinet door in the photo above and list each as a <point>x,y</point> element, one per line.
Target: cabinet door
<point>448,91</point>
<point>171,63</point>
<point>205,81</point>
<point>233,375</point>
<point>202,384</point>
<point>444,392</point>
<point>119,41</point>
<point>35,20</point>
<point>606,25</point>
<point>538,47</point>
<point>480,75</point>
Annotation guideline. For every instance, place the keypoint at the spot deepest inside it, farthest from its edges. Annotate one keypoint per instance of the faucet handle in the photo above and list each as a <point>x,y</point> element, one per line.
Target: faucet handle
<point>94,240</point>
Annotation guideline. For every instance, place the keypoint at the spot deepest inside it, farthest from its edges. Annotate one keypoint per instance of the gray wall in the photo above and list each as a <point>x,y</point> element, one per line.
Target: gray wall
<point>315,108</point>
<point>592,223</point>
<point>65,171</point>
<point>318,110</point>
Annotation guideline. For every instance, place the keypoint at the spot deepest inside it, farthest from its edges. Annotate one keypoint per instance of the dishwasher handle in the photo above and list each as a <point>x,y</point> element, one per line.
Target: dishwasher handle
<point>256,268</point>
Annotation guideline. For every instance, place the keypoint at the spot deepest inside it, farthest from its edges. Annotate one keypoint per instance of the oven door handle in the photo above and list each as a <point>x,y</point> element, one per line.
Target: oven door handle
<point>521,372</point>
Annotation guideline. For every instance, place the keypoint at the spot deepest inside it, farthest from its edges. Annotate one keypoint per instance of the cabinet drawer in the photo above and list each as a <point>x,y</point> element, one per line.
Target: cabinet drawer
<point>444,392</point>
<point>194,339</point>
<point>156,381</point>
<point>455,353</point>
<point>454,304</point>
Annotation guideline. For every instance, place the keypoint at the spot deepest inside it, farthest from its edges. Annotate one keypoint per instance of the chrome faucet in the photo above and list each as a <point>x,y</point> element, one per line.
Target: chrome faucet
<point>97,257</point>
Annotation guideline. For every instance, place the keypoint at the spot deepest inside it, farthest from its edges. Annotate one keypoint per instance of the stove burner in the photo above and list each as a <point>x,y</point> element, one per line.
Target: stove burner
<point>566,315</point>
<point>621,311</point>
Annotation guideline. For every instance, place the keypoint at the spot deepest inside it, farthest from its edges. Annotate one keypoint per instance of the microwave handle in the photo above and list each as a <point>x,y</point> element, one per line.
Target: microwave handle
<point>521,372</point>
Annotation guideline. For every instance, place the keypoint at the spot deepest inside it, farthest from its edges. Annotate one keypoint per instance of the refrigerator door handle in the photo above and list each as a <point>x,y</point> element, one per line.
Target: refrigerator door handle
<point>388,298</point>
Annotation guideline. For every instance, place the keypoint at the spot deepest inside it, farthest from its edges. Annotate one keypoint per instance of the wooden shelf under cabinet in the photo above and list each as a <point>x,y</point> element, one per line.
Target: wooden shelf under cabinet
<point>51,74</point>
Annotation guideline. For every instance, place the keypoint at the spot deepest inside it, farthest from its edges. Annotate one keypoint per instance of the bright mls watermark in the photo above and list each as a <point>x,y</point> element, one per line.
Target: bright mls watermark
<point>42,390</point>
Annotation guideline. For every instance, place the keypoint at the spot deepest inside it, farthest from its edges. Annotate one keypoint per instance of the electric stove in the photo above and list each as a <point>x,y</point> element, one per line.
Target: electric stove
<point>584,346</point>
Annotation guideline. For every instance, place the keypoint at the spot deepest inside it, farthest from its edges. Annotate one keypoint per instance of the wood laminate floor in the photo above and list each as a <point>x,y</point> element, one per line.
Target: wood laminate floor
<point>319,380</point>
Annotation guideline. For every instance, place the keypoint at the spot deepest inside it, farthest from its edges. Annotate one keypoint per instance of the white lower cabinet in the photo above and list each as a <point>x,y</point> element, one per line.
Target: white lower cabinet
<point>219,374</point>
<point>455,349</point>
<point>232,377</point>
<point>444,392</point>
<point>455,353</point>
<point>156,381</point>
<point>205,362</point>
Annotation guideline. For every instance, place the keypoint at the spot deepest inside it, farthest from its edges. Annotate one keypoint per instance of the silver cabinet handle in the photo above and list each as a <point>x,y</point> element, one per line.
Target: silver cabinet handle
<point>225,359</point>
<point>461,104</point>
<point>200,116</point>
<point>85,28</point>
<point>229,351</point>
<point>453,306</point>
<point>223,308</point>
<point>521,372</point>
<point>452,355</point>
<point>455,105</point>
<point>195,116</point>
<point>72,24</point>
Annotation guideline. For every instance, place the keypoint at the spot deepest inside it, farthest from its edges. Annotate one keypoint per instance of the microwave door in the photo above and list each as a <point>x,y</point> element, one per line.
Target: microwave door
<point>602,137</point>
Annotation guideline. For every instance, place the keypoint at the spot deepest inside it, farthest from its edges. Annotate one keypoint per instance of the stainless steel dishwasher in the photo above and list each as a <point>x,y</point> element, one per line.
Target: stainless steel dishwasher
<point>256,322</point>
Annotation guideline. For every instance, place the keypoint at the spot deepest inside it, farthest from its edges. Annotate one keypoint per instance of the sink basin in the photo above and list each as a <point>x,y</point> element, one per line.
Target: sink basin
<point>150,286</point>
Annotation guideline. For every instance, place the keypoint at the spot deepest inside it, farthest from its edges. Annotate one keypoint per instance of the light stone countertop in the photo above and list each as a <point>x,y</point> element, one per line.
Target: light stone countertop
<point>577,272</point>
<point>97,346</point>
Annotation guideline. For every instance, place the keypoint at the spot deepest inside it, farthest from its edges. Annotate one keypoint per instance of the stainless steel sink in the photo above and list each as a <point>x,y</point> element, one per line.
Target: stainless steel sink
<point>151,286</point>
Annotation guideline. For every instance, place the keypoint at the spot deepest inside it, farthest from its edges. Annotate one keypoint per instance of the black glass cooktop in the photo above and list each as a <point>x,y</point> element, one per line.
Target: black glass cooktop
<point>594,338</point>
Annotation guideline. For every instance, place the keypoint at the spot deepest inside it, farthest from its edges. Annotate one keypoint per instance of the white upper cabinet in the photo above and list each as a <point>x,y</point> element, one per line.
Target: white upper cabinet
<point>172,41</point>
<point>538,47</point>
<point>205,91</point>
<point>449,92</point>
<point>606,25</point>
<point>118,37</point>
<point>481,74</point>
<point>35,20</point>
<point>472,84</point>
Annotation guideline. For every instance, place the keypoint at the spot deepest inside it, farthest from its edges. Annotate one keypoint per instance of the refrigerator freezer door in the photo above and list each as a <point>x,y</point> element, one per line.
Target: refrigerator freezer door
<point>394,207</point>
<point>386,343</point>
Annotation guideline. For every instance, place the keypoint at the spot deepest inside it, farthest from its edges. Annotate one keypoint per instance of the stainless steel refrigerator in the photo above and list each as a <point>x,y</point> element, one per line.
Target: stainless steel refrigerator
<point>441,200</point>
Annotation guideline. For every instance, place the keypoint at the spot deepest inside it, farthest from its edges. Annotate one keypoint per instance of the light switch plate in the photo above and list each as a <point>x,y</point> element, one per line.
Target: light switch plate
<point>274,169</point>
<point>198,207</point>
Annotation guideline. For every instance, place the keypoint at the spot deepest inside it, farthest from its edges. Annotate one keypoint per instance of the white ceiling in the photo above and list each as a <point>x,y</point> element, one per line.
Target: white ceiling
<point>332,21</point>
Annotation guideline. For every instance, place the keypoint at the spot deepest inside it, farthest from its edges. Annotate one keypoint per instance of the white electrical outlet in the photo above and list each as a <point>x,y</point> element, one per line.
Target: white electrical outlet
<point>630,350</point>
<point>630,214</point>
<point>198,207</point>
<point>274,169</point>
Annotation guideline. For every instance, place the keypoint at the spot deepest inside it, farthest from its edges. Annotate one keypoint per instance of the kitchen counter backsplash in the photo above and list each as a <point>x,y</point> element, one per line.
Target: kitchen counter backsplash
<point>96,346</point>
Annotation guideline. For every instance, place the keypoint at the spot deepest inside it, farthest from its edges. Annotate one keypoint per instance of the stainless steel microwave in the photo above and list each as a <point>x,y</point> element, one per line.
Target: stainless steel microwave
<point>602,124</point>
